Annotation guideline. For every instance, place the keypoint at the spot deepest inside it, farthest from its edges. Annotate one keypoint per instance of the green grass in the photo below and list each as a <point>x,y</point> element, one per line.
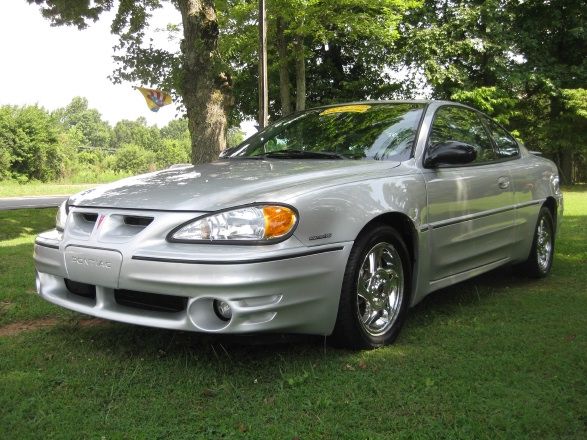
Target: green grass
<point>18,298</point>
<point>76,183</point>
<point>14,189</point>
<point>496,357</point>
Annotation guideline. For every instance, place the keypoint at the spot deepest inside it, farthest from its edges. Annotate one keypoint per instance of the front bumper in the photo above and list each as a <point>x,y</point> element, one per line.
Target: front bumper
<point>293,290</point>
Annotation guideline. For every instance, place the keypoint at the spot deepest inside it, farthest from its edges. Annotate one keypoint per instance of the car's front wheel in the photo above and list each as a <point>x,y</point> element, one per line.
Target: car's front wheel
<point>375,292</point>
<point>542,253</point>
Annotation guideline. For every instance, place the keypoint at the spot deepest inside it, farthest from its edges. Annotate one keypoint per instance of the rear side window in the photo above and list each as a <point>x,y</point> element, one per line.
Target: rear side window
<point>462,125</point>
<point>506,145</point>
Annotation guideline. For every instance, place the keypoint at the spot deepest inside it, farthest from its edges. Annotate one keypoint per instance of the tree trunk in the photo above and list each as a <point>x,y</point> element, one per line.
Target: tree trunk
<point>263,81</point>
<point>566,167</point>
<point>284,82</point>
<point>334,55</point>
<point>300,75</point>
<point>205,90</point>
<point>566,155</point>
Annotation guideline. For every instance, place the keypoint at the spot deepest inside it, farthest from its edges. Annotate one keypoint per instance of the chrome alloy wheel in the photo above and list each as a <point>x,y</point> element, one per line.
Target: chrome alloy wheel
<point>380,289</point>
<point>543,244</point>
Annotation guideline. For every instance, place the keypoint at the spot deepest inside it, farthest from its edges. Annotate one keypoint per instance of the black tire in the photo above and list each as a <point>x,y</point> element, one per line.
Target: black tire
<point>351,330</point>
<point>536,266</point>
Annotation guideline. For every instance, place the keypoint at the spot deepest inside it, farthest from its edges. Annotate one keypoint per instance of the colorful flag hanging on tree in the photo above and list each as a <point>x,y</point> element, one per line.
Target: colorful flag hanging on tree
<point>155,98</point>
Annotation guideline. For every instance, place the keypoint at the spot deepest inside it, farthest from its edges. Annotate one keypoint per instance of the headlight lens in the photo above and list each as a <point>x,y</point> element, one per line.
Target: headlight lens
<point>61,216</point>
<point>260,223</point>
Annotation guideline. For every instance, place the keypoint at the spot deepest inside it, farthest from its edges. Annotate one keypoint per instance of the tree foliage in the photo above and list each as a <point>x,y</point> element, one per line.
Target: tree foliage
<point>320,52</point>
<point>95,132</point>
<point>346,48</point>
<point>39,145</point>
<point>133,158</point>
<point>135,132</point>
<point>523,62</point>
<point>176,129</point>
<point>30,147</point>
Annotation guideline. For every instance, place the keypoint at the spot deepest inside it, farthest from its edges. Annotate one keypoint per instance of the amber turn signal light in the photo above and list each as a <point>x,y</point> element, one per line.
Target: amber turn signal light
<point>279,221</point>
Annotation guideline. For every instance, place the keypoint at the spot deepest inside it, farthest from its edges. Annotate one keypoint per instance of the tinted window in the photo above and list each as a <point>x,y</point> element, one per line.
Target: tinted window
<point>505,143</point>
<point>462,125</point>
<point>360,131</point>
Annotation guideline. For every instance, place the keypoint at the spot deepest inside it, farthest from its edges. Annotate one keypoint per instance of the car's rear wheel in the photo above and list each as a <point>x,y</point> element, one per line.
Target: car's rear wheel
<point>541,255</point>
<point>375,292</point>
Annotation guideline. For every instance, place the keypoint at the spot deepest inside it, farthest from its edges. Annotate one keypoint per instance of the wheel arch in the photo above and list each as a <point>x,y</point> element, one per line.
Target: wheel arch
<point>552,206</point>
<point>403,225</point>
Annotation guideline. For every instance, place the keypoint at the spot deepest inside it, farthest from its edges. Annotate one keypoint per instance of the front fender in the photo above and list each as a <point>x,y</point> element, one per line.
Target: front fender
<point>337,214</point>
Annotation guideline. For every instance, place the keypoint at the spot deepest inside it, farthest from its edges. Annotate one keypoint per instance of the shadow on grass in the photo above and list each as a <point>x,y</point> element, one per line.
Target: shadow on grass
<point>141,342</point>
<point>23,222</point>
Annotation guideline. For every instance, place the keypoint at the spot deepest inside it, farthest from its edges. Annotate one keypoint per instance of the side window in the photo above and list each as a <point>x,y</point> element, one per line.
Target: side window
<point>462,125</point>
<point>506,145</point>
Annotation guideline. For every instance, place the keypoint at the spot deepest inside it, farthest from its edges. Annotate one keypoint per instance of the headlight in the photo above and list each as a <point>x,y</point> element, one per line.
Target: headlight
<point>258,223</point>
<point>61,216</point>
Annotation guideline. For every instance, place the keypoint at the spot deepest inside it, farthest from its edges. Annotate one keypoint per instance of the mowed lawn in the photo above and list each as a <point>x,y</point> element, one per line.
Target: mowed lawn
<point>500,356</point>
<point>11,189</point>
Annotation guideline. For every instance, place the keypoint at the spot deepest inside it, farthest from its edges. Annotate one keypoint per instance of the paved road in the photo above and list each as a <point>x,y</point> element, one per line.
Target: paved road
<point>30,202</point>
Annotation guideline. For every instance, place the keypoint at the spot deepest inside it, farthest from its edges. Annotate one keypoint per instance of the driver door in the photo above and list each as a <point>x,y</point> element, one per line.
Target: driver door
<point>470,207</point>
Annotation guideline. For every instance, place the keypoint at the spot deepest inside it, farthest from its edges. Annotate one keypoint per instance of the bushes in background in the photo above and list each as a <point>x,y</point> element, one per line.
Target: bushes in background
<point>74,144</point>
<point>134,159</point>
<point>31,144</point>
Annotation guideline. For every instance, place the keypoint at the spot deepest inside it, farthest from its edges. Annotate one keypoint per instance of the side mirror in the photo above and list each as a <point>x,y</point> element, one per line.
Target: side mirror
<point>449,153</point>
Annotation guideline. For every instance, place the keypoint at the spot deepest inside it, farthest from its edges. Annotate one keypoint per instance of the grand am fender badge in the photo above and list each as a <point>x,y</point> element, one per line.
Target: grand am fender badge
<point>320,237</point>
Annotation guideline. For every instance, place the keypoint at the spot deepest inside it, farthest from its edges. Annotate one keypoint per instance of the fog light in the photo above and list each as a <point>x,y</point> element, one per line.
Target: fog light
<point>222,310</point>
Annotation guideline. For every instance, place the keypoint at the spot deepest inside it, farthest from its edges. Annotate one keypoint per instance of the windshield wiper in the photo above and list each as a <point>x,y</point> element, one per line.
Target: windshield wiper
<point>257,157</point>
<point>299,154</point>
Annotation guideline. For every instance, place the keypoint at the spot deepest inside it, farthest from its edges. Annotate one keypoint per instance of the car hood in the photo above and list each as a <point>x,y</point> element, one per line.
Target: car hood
<point>227,183</point>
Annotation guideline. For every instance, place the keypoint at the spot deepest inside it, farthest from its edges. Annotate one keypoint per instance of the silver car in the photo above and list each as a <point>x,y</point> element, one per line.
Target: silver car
<point>332,221</point>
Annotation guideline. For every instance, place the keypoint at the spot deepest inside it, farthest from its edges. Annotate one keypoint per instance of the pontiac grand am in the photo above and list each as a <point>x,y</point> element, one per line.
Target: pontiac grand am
<point>332,221</point>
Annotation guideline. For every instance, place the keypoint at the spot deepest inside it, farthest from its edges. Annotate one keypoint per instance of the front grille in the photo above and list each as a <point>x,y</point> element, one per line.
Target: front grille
<point>81,289</point>
<point>134,220</point>
<point>90,217</point>
<point>151,301</point>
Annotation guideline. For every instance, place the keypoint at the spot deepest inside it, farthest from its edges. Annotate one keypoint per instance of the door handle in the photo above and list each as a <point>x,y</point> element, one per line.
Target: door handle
<point>503,182</point>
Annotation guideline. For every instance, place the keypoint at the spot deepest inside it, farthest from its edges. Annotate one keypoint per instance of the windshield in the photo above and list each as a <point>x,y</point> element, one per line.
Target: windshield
<point>360,131</point>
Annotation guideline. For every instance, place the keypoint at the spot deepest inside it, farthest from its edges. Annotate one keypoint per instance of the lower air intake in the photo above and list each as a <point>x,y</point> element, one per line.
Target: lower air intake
<point>81,289</point>
<point>151,301</point>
